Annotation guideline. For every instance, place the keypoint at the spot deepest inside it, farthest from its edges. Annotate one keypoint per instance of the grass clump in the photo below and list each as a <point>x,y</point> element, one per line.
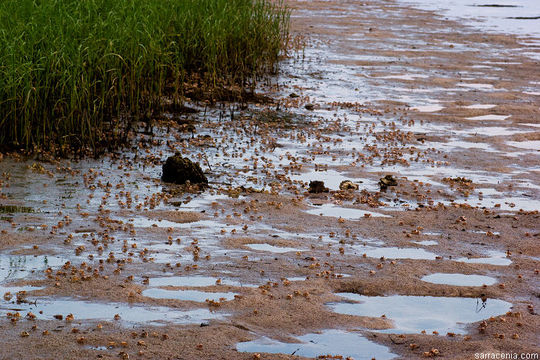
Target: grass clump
<point>74,73</point>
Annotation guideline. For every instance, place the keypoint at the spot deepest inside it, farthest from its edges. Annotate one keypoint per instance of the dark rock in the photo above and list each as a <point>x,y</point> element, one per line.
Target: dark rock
<point>317,187</point>
<point>293,95</point>
<point>179,170</point>
<point>387,181</point>
<point>309,106</point>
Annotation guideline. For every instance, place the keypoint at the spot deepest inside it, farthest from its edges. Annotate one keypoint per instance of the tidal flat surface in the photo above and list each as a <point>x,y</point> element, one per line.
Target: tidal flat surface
<point>372,89</point>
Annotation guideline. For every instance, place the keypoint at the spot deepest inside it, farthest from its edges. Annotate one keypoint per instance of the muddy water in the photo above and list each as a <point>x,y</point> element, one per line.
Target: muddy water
<point>394,90</point>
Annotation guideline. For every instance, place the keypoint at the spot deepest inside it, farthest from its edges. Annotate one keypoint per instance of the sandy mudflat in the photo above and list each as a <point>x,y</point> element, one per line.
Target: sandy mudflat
<point>449,112</point>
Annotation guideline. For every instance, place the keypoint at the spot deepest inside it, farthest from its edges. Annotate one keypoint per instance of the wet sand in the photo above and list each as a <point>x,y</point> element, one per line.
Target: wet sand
<point>451,113</point>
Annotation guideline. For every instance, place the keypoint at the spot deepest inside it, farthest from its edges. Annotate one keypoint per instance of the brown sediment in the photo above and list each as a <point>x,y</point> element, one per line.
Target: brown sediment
<point>174,216</point>
<point>329,257</point>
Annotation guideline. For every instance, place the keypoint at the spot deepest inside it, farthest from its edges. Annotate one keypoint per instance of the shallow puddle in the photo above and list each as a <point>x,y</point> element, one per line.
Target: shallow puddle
<point>396,253</point>
<point>21,266</point>
<point>331,178</point>
<point>202,201</point>
<point>98,348</point>
<point>429,176</point>
<point>528,145</point>
<point>428,108</point>
<point>341,212</point>
<point>410,77</point>
<point>412,314</point>
<point>493,131</point>
<point>459,279</point>
<point>45,309</point>
<point>481,106</point>
<point>188,295</point>
<point>432,233</point>
<point>510,203</point>
<point>494,258</point>
<point>142,222</point>
<point>13,290</point>
<point>271,248</point>
<point>452,144</point>
<point>477,86</point>
<point>531,124</point>
<point>328,342</point>
<point>489,117</point>
<point>483,232</point>
<point>488,16</point>
<point>426,242</point>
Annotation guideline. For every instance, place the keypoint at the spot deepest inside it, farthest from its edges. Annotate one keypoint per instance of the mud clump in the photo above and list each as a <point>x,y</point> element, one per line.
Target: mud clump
<point>460,181</point>
<point>348,185</point>
<point>179,170</point>
<point>317,187</point>
<point>387,181</point>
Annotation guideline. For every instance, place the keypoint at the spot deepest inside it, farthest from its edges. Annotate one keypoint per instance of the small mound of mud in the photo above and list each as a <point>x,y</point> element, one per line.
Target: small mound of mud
<point>387,181</point>
<point>179,170</point>
<point>348,185</point>
<point>317,187</point>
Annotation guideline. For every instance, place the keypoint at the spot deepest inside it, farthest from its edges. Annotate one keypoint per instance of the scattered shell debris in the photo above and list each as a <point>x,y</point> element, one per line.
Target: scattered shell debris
<point>422,153</point>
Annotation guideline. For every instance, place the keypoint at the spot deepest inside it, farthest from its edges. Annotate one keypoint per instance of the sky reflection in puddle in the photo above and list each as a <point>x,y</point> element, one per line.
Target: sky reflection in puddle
<point>395,253</point>
<point>21,266</point>
<point>271,248</point>
<point>459,279</point>
<point>412,314</point>
<point>494,258</point>
<point>45,308</point>
<point>188,295</point>
<point>341,212</point>
<point>328,342</point>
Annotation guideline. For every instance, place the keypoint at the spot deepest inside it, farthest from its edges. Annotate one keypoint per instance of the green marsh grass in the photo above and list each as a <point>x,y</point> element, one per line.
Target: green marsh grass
<point>76,72</point>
